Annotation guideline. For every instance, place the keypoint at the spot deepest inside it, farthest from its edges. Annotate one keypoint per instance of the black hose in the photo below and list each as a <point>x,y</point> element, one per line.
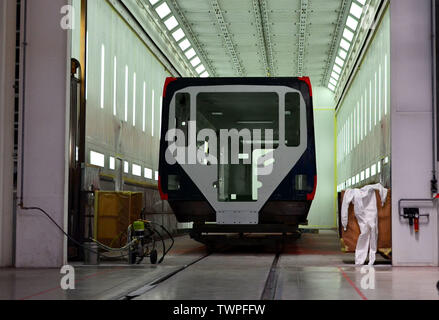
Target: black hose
<point>59,227</point>
<point>66,234</point>
<point>165,252</point>
<point>164,246</point>
<point>170,237</point>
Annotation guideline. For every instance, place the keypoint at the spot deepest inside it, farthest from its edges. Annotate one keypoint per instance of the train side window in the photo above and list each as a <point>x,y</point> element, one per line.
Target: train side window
<point>292,119</point>
<point>183,113</point>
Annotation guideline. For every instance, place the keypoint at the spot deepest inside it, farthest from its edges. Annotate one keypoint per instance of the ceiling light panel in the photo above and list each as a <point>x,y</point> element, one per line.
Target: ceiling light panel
<point>352,23</point>
<point>171,23</point>
<point>190,54</point>
<point>343,54</point>
<point>345,45</point>
<point>195,62</point>
<point>339,62</point>
<point>178,35</point>
<point>356,10</point>
<point>185,44</point>
<point>347,34</point>
<point>201,69</point>
<point>163,10</point>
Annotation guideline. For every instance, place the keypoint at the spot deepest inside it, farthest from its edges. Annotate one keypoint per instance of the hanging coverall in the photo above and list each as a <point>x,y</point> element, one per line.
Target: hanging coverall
<point>366,212</point>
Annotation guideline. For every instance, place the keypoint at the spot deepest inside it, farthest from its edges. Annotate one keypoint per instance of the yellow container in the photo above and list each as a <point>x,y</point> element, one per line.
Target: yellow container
<point>114,212</point>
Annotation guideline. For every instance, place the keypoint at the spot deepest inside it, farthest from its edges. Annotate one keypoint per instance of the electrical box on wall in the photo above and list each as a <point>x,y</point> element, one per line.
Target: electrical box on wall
<point>412,155</point>
<point>418,233</point>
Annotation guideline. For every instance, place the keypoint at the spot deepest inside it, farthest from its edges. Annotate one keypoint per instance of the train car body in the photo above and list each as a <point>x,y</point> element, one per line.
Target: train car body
<point>238,151</point>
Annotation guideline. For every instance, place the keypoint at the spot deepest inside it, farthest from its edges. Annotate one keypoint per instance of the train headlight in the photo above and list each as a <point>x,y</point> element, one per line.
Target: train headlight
<point>301,183</point>
<point>173,183</point>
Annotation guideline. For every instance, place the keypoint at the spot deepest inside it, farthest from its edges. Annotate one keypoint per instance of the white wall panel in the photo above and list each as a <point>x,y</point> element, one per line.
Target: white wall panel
<point>322,210</point>
<point>321,214</point>
<point>363,117</point>
<point>39,244</point>
<point>122,134</point>
<point>412,152</point>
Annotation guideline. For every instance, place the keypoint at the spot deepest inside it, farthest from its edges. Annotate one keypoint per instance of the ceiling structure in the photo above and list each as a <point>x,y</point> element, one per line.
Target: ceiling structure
<point>255,38</point>
<point>264,37</point>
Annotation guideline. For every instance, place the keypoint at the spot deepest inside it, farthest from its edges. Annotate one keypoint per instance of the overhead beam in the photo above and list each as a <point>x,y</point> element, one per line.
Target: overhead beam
<point>304,11</point>
<point>363,40</point>
<point>152,33</point>
<point>267,35</point>
<point>263,29</point>
<point>335,41</point>
<point>194,39</point>
<point>227,37</point>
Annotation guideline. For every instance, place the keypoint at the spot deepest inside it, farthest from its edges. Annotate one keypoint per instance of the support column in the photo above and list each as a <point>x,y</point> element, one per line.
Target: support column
<point>411,129</point>
<point>321,215</point>
<point>7,78</point>
<point>44,99</point>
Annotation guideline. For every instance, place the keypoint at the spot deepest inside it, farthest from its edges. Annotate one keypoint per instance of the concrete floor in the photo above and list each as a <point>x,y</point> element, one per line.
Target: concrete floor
<point>311,268</point>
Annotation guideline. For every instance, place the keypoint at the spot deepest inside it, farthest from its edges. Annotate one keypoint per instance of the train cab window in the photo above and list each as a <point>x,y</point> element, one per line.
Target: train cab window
<point>255,115</point>
<point>241,110</point>
<point>183,113</point>
<point>292,119</point>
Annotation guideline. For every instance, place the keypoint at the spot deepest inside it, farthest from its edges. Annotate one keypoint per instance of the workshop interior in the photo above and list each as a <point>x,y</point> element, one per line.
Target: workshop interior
<point>219,150</point>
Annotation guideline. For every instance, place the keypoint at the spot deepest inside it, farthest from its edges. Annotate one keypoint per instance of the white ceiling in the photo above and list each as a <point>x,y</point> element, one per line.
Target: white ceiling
<point>263,37</point>
<point>252,38</point>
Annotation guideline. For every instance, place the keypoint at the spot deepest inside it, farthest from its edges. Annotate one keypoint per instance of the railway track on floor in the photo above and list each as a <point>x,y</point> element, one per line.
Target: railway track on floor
<point>268,292</point>
<point>153,284</point>
<point>270,287</point>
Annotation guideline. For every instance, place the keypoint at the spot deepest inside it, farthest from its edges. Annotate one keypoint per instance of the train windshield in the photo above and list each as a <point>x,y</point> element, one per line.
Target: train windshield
<point>237,130</point>
<point>254,114</point>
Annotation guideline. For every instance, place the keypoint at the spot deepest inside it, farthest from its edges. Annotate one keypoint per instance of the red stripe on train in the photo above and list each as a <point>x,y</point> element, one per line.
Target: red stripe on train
<point>312,195</point>
<point>167,82</point>
<point>307,80</point>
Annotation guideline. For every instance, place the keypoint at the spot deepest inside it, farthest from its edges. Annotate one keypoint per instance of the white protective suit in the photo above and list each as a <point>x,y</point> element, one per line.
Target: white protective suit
<point>366,212</point>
